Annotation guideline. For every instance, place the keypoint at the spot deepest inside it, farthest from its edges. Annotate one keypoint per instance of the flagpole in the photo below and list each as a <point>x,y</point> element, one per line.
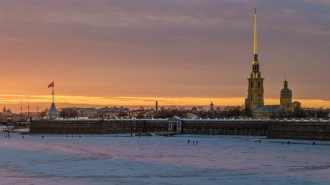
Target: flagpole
<point>21,110</point>
<point>53,91</point>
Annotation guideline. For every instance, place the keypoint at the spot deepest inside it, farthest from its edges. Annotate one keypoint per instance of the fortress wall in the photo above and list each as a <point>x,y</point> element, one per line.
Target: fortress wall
<point>300,130</point>
<point>66,127</point>
<point>218,127</point>
<point>272,129</point>
<point>97,126</point>
<point>223,127</point>
<point>134,126</point>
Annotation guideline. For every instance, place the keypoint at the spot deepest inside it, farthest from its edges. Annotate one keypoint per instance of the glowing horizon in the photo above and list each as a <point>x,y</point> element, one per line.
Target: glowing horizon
<point>11,102</point>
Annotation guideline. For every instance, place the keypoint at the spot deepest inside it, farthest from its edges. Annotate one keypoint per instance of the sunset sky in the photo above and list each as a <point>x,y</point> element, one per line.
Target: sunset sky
<point>179,52</point>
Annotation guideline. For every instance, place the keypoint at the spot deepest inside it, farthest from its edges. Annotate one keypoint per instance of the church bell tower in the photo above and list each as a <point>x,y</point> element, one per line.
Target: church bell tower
<point>255,97</point>
<point>286,96</point>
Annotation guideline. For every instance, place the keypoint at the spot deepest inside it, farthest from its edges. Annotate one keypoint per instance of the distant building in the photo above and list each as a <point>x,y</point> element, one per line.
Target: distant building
<point>6,115</point>
<point>173,107</point>
<point>156,107</point>
<point>53,112</point>
<point>194,109</point>
<point>113,109</point>
<point>295,106</point>
<point>111,112</point>
<point>6,112</point>
<point>200,109</point>
<point>286,96</point>
<point>211,106</point>
<point>87,112</point>
<point>190,116</point>
<point>122,115</point>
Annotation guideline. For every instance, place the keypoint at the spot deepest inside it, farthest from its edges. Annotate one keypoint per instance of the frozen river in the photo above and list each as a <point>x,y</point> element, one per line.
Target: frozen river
<point>106,159</point>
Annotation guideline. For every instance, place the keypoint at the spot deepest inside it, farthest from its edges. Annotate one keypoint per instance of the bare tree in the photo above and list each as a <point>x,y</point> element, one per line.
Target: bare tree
<point>68,113</point>
<point>43,113</point>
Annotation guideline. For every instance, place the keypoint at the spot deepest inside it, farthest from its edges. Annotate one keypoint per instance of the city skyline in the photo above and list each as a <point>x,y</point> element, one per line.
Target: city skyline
<point>115,53</point>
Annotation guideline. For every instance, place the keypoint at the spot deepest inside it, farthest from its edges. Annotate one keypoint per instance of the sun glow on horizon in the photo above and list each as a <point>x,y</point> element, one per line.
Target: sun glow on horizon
<point>43,101</point>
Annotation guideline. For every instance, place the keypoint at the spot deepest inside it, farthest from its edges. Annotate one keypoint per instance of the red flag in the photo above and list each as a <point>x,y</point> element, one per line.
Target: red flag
<point>51,85</point>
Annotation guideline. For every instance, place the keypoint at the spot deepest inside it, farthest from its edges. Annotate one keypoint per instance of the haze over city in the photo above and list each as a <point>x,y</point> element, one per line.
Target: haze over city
<point>183,53</point>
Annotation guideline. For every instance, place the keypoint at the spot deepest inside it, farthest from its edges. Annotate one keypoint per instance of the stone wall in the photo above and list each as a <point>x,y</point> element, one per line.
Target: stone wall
<point>316,130</point>
<point>219,127</point>
<point>97,126</point>
<point>222,127</point>
<point>66,127</point>
<point>310,130</point>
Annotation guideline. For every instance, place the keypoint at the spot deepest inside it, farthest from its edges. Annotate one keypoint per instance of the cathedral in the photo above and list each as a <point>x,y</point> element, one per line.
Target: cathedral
<point>254,103</point>
<point>6,112</point>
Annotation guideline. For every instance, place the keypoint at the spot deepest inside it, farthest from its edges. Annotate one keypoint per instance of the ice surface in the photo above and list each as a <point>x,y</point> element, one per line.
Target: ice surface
<point>107,159</point>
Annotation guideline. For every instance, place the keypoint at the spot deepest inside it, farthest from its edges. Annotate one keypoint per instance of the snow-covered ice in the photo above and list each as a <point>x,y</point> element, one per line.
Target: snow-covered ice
<point>107,159</point>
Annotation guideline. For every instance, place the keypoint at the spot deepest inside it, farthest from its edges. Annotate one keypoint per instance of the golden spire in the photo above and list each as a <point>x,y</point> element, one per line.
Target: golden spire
<point>255,36</point>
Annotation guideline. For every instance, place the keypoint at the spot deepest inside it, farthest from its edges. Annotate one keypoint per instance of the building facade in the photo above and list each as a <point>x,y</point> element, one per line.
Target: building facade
<point>286,96</point>
<point>53,112</point>
<point>211,106</point>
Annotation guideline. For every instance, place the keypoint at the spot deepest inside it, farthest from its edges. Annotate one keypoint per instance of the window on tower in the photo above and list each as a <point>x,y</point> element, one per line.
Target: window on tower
<point>252,84</point>
<point>251,97</point>
<point>258,84</point>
